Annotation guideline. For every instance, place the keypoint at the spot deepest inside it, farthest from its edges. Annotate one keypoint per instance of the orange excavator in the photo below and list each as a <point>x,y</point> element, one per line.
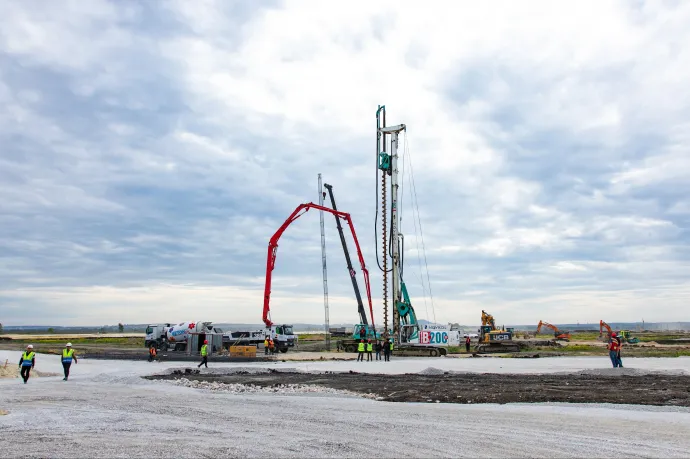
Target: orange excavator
<point>558,334</point>
<point>603,325</point>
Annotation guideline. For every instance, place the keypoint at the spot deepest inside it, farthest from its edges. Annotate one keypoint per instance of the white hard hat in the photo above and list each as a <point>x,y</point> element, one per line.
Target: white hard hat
<point>30,346</point>
<point>69,344</point>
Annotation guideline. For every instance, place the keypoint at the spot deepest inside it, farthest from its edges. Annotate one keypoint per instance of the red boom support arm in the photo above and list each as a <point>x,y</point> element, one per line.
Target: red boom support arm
<point>273,249</point>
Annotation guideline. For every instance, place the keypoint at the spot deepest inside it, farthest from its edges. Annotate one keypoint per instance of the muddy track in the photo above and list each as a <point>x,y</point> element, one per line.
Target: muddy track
<point>658,389</point>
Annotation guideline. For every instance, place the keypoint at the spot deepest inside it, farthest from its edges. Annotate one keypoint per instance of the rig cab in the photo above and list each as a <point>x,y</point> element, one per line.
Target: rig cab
<point>283,336</point>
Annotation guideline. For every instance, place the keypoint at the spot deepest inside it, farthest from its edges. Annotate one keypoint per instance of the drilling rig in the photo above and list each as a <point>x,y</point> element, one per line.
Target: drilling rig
<point>405,328</point>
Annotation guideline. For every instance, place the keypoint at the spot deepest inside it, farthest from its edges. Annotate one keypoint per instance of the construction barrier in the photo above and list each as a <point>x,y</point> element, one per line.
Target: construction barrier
<point>242,351</point>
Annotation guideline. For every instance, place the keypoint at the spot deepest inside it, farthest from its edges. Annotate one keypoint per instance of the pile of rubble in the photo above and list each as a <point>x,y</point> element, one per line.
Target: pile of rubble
<point>282,389</point>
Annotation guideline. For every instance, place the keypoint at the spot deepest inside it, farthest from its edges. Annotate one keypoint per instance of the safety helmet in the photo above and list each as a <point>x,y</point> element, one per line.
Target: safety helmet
<point>30,346</point>
<point>69,344</point>
<point>205,341</point>
<point>614,334</point>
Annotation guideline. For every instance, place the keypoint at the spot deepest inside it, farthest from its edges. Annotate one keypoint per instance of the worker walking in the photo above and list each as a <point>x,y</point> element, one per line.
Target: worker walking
<point>360,351</point>
<point>27,361</point>
<point>467,343</point>
<point>370,349</point>
<point>67,358</point>
<point>614,350</point>
<point>620,348</point>
<point>152,353</point>
<point>377,348</point>
<point>204,355</point>
<point>266,345</point>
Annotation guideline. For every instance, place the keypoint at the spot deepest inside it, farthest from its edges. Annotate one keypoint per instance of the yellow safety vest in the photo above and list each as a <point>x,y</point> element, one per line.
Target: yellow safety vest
<point>266,342</point>
<point>204,350</point>
<point>28,357</point>
<point>360,347</point>
<point>370,347</point>
<point>67,355</point>
<point>391,346</point>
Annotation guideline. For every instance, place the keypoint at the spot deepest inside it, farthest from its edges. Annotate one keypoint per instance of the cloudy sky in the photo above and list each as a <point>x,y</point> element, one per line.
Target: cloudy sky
<point>148,150</point>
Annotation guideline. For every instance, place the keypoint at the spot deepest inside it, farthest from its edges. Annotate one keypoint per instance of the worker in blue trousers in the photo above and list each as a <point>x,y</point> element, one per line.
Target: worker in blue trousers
<point>614,348</point>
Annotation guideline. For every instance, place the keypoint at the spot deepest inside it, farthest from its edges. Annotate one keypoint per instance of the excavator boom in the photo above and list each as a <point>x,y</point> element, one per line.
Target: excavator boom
<point>603,325</point>
<point>556,332</point>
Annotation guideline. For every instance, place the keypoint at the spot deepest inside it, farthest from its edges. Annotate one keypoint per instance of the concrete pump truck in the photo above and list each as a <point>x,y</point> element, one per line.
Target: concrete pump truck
<point>282,335</point>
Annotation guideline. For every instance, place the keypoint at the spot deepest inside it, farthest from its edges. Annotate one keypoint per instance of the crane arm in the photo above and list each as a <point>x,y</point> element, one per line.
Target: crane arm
<point>273,249</point>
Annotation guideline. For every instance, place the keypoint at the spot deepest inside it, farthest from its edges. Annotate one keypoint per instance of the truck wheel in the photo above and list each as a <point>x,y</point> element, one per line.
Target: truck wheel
<point>433,353</point>
<point>350,348</point>
<point>284,350</point>
<point>444,352</point>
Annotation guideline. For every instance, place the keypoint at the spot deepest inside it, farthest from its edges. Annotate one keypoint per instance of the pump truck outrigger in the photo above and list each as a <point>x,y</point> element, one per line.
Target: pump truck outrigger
<point>284,341</point>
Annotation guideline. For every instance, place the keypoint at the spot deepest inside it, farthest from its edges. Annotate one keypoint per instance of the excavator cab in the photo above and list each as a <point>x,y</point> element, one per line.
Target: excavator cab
<point>627,338</point>
<point>364,331</point>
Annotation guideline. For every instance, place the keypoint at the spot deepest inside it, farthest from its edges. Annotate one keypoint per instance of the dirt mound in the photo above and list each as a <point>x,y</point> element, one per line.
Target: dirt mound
<point>431,371</point>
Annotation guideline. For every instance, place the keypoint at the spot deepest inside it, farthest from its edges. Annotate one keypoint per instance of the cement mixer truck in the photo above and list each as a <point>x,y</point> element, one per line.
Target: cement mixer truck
<point>174,337</point>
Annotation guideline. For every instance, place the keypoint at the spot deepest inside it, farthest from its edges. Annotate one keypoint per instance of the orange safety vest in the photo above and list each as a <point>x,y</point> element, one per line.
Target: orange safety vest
<point>270,343</point>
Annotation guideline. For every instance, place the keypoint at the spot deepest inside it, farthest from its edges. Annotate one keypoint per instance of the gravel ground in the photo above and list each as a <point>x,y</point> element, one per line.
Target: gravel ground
<point>108,410</point>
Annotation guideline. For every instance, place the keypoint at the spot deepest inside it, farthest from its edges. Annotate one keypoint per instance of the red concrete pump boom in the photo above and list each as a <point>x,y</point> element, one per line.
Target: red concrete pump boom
<point>273,249</point>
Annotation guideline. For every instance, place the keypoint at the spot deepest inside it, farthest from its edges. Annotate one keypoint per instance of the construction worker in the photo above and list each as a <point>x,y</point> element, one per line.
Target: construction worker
<point>204,355</point>
<point>266,345</point>
<point>620,347</point>
<point>360,351</point>
<point>390,349</point>
<point>271,345</point>
<point>614,350</point>
<point>377,348</point>
<point>67,357</point>
<point>370,349</point>
<point>467,343</point>
<point>27,361</point>
<point>152,353</point>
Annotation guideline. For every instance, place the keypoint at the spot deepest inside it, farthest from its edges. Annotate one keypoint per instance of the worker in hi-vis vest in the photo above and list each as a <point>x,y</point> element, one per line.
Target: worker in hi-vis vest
<point>360,351</point>
<point>27,361</point>
<point>266,345</point>
<point>370,349</point>
<point>67,358</point>
<point>204,355</point>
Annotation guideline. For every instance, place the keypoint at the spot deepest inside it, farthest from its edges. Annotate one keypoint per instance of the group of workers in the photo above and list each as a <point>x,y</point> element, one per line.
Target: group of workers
<point>386,346</point>
<point>27,361</point>
<point>269,346</point>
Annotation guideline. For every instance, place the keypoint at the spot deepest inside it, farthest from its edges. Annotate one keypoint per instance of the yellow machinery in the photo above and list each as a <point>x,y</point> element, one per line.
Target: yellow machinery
<point>492,339</point>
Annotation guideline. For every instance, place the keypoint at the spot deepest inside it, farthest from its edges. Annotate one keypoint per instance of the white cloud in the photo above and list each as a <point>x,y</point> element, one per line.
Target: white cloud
<point>158,145</point>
